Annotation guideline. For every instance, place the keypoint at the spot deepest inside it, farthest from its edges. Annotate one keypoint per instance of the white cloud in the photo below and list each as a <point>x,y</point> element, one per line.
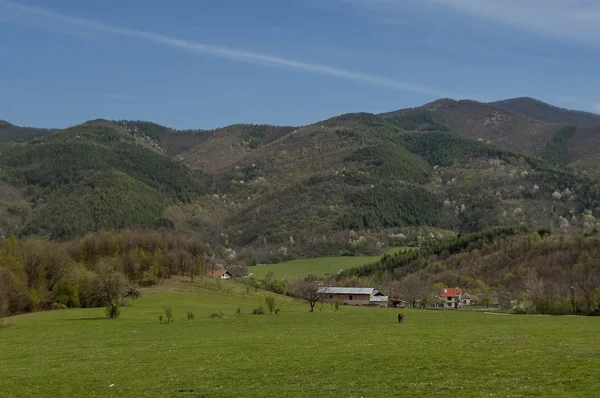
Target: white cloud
<point>226,52</point>
<point>574,20</point>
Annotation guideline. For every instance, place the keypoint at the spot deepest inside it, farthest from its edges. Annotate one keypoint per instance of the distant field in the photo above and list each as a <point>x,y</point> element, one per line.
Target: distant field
<point>321,266</point>
<point>356,352</point>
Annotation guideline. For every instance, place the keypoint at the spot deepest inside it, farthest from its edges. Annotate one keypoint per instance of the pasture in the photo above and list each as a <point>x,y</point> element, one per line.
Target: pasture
<point>321,266</point>
<point>355,352</point>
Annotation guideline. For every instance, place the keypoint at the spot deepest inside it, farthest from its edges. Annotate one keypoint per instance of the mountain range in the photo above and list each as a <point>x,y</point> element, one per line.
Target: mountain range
<point>351,184</point>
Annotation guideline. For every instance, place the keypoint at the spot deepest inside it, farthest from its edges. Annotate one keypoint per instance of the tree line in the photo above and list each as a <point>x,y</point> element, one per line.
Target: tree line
<point>95,270</point>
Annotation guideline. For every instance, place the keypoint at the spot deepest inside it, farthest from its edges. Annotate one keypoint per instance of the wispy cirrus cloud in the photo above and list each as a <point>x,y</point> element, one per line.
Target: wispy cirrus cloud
<point>573,20</point>
<point>227,52</point>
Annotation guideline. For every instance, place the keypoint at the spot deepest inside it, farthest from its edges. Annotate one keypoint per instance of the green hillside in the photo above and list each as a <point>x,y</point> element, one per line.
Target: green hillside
<point>347,185</point>
<point>91,177</point>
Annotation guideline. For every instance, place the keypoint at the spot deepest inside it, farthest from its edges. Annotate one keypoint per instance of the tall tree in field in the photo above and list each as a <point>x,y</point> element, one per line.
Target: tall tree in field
<point>114,289</point>
<point>307,290</point>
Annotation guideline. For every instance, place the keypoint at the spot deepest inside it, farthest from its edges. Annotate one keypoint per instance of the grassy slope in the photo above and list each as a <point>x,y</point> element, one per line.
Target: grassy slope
<point>321,266</point>
<point>353,352</point>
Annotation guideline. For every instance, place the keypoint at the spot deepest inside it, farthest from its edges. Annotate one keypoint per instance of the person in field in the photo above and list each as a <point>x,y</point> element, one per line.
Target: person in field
<point>400,318</point>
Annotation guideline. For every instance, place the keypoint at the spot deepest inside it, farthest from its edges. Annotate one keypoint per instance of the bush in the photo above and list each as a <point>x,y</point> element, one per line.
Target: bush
<point>258,311</point>
<point>276,311</point>
<point>58,306</point>
<point>336,305</point>
<point>168,314</point>
<point>238,312</point>
<point>190,316</point>
<point>271,303</point>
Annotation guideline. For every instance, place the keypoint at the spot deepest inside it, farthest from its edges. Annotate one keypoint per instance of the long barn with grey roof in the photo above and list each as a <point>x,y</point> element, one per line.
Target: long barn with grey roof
<point>354,295</point>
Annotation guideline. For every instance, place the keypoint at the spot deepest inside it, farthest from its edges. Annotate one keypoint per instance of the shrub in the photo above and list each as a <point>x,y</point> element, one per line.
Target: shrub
<point>276,311</point>
<point>271,303</point>
<point>258,311</point>
<point>168,314</point>
<point>336,305</point>
<point>238,312</point>
<point>58,306</point>
<point>190,316</point>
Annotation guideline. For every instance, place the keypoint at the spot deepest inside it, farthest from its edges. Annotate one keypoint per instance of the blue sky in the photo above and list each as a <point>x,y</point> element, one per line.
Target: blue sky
<point>210,63</point>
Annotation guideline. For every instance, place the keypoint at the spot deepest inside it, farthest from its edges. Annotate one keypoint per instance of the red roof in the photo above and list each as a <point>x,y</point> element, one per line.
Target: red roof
<point>218,273</point>
<point>451,292</point>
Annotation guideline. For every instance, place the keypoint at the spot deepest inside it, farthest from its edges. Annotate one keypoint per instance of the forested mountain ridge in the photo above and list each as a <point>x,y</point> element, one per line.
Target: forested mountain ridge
<point>539,110</point>
<point>11,133</point>
<point>350,184</point>
<point>570,137</point>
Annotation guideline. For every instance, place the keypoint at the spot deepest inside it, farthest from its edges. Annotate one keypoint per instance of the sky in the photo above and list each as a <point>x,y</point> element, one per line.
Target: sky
<point>211,63</point>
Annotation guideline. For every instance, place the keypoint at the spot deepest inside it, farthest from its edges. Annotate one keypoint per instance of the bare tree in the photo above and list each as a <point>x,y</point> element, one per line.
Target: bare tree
<point>307,290</point>
<point>586,274</point>
<point>534,285</point>
<point>411,290</point>
<point>115,289</point>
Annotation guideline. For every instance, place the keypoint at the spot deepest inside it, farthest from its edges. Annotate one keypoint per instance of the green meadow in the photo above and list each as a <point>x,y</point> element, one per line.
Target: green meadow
<point>355,352</point>
<point>321,266</point>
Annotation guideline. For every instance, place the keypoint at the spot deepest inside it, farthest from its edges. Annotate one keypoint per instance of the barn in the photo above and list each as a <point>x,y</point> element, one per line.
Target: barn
<point>354,295</point>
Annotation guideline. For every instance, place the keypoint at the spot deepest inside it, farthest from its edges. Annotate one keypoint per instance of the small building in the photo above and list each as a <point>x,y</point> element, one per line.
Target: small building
<point>466,299</point>
<point>451,297</point>
<point>354,295</point>
<point>221,273</point>
<point>397,302</point>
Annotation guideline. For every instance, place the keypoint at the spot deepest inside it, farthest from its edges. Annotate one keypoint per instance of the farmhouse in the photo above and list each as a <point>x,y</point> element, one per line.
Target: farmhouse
<point>354,295</point>
<point>466,299</point>
<point>451,297</point>
<point>221,273</point>
<point>397,302</point>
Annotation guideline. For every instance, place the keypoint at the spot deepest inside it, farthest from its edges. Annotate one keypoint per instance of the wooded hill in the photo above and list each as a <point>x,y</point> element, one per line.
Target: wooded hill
<point>351,184</point>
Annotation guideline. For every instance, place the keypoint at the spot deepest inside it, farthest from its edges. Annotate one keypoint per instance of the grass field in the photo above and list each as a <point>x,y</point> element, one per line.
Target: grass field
<point>321,266</point>
<point>356,352</point>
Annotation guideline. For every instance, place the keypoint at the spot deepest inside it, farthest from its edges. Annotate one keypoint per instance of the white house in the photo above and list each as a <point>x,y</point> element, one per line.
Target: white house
<point>451,297</point>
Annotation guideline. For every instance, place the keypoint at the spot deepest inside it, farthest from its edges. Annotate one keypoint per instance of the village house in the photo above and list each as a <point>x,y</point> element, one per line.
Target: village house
<point>221,273</point>
<point>354,296</point>
<point>451,297</point>
<point>466,299</point>
<point>397,302</point>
